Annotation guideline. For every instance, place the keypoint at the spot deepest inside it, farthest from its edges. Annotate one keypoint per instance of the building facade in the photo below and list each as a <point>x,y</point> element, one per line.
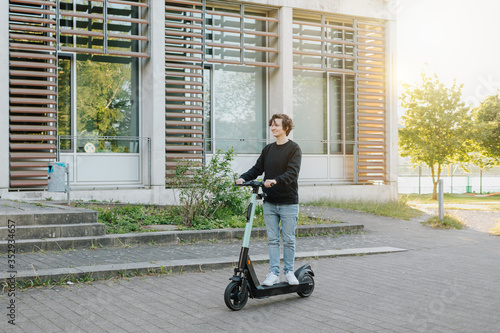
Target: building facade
<point>125,90</point>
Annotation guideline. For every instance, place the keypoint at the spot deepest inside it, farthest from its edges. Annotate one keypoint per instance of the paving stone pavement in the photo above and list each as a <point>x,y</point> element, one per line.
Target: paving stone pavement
<point>447,281</point>
<point>131,254</point>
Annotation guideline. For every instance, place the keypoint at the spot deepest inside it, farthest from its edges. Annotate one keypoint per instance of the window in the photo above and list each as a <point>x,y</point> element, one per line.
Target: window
<point>341,99</point>
<point>309,111</point>
<point>307,43</point>
<point>100,101</point>
<point>241,34</point>
<point>323,43</point>
<point>103,27</point>
<point>240,44</point>
<point>324,83</point>
<point>235,108</point>
<point>339,44</point>
<point>324,124</point>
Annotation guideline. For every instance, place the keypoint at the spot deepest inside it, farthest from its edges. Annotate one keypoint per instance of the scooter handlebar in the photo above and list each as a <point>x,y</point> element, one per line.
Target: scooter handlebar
<point>252,183</point>
<point>255,187</point>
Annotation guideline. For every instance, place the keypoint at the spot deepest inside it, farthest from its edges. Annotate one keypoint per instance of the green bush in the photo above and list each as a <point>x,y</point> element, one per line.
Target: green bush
<point>207,193</point>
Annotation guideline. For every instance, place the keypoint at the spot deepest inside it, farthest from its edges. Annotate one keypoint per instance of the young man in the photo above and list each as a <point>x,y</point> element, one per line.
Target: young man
<point>280,163</point>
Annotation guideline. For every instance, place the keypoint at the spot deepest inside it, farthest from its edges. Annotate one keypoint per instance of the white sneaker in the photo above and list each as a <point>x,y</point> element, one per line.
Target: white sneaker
<point>291,279</point>
<point>271,279</point>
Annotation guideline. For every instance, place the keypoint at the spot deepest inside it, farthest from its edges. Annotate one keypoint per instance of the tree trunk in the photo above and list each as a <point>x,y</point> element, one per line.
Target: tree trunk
<point>435,180</point>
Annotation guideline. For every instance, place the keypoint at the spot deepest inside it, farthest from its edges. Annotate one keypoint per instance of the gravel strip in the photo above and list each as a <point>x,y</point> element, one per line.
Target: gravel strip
<point>480,220</point>
<point>475,219</point>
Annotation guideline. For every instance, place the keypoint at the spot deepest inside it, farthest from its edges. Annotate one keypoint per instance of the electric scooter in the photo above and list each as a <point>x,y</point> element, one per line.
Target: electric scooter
<point>245,283</point>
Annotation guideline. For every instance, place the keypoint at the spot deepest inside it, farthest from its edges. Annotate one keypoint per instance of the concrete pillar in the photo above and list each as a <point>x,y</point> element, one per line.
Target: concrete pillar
<point>153,99</point>
<point>392,107</point>
<point>281,79</point>
<point>4,97</point>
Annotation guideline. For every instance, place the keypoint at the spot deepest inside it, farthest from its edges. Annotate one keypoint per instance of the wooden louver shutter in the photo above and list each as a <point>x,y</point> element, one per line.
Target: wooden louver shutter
<point>32,82</point>
<point>372,146</point>
<point>183,83</point>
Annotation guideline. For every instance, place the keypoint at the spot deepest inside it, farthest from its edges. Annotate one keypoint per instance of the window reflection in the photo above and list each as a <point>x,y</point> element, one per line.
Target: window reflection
<point>64,101</point>
<point>239,108</point>
<point>106,95</point>
<point>336,114</point>
<point>309,112</point>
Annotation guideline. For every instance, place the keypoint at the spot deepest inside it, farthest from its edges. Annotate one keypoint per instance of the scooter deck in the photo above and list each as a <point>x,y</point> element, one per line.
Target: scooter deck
<point>279,289</point>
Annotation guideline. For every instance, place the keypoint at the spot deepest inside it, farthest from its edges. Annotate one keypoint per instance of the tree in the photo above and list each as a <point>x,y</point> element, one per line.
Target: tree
<point>487,129</point>
<point>436,126</point>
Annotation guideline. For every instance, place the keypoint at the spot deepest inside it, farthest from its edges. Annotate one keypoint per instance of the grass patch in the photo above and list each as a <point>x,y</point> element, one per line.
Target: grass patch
<point>303,220</point>
<point>120,219</point>
<point>495,230</point>
<point>306,220</point>
<point>452,198</point>
<point>70,280</point>
<point>448,222</point>
<point>455,200</point>
<point>50,283</point>
<point>397,209</point>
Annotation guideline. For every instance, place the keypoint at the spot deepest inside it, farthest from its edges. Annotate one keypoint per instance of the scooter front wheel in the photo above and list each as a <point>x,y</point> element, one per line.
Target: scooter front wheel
<point>234,297</point>
<point>310,280</point>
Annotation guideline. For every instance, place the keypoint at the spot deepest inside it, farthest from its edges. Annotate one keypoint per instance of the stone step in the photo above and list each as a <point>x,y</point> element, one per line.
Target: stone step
<point>37,219</point>
<point>163,237</point>
<point>52,231</point>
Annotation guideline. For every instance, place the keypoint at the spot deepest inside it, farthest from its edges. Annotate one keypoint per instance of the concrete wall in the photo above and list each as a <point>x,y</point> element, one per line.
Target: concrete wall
<point>392,106</point>
<point>379,9</point>
<point>153,101</point>
<point>307,193</point>
<point>4,98</point>
<point>281,79</point>
<point>133,196</point>
<point>374,193</point>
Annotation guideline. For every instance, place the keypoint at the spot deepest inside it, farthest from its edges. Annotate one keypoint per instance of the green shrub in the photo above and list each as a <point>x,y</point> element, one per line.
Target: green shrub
<point>208,193</point>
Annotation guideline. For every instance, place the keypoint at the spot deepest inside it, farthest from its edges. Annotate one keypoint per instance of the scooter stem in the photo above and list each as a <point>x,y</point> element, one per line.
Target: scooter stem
<point>250,217</point>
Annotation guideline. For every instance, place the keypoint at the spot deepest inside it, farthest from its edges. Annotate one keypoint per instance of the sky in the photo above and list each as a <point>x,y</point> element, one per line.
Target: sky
<point>453,39</point>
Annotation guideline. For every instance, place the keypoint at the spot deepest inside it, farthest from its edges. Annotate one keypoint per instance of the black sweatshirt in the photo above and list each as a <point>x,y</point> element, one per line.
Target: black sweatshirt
<point>282,163</point>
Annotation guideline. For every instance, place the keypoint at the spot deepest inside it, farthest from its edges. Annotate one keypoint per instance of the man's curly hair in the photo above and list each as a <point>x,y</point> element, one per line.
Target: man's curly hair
<point>286,121</point>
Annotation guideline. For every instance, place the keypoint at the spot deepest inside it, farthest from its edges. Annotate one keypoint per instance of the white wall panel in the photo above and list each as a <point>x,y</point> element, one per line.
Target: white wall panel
<point>107,168</point>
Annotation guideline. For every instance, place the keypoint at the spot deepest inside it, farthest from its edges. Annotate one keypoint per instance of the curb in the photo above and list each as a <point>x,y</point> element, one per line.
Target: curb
<point>169,266</point>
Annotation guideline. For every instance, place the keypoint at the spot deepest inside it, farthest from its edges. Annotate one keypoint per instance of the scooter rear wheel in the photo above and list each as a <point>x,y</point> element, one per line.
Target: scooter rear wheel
<point>234,298</point>
<point>306,293</point>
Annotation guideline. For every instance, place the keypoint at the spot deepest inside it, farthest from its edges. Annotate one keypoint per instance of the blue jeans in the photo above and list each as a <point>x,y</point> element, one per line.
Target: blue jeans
<point>288,215</point>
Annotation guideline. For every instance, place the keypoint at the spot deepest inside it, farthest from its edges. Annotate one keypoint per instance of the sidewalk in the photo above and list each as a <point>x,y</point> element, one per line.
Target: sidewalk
<point>445,281</point>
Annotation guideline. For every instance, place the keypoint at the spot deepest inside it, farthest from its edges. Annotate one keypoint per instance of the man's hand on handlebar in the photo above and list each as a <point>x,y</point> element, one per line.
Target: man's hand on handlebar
<point>270,182</point>
<point>240,181</point>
